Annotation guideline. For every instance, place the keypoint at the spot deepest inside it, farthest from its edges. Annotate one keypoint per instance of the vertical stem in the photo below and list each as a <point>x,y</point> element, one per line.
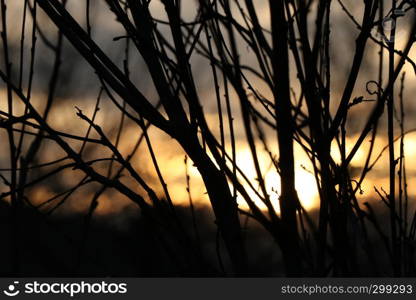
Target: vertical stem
<point>402,186</point>
<point>285,130</point>
<point>392,163</point>
<point>12,147</point>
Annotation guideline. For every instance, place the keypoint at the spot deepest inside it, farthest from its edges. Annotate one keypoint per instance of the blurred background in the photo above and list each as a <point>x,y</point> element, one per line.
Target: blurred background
<point>120,242</point>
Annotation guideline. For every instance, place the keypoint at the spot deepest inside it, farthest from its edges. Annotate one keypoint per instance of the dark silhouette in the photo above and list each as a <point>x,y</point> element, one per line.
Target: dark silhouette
<point>271,81</point>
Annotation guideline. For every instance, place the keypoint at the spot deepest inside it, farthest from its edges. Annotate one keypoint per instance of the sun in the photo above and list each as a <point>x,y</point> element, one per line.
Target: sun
<point>305,183</point>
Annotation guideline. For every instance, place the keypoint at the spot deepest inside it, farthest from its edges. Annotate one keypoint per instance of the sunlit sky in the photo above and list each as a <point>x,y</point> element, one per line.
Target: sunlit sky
<point>171,157</point>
